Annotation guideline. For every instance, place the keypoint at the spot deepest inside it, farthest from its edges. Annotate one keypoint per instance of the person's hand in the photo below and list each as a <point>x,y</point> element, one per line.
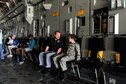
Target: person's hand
<point>78,59</point>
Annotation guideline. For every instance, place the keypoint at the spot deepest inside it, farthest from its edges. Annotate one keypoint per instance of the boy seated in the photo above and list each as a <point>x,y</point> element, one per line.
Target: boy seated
<point>71,53</point>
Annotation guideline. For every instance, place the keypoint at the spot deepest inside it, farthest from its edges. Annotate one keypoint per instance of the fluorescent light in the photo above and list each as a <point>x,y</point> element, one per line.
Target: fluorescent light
<point>47,6</point>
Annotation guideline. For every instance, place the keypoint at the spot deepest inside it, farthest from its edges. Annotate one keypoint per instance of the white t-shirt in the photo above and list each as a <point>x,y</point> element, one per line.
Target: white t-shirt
<point>1,37</point>
<point>10,42</point>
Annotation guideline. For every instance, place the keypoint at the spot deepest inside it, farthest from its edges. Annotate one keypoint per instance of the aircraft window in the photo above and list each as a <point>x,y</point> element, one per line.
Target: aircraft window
<point>70,9</point>
<point>81,21</point>
<point>101,20</point>
<point>65,3</point>
<point>69,25</point>
<point>116,4</point>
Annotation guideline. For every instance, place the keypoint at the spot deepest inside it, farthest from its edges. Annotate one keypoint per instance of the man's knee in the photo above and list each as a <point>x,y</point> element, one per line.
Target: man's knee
<point>27,50</point>
<point>18,50</point>
<point>62,59</point>
<point>48,56</point>
<point>54,59</point>
<point>41,54</point>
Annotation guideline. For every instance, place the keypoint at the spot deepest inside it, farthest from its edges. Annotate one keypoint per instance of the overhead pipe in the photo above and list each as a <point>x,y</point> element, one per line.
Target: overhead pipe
<point>14,16</point>
<point>11,11</point>
<point>20,4</point>
<point>36,3</point>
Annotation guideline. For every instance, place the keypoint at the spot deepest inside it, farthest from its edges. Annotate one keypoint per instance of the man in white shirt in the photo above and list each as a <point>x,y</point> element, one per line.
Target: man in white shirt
<point>1,48</point>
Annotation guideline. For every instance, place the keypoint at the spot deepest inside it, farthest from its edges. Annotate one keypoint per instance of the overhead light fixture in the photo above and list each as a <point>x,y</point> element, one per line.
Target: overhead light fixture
<point>34,3</point>
<point>47,6</point>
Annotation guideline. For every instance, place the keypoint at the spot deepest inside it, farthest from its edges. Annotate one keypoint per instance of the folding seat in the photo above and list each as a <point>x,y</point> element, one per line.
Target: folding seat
<point>93,62</point>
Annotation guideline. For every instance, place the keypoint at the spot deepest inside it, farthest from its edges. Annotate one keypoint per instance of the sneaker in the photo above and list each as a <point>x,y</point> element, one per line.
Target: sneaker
<point>23,59</point>
<point>10,55</point>
<point>48,71</point>
<point>20,63</point>
<point>41,68</point>
<point>64,76</point>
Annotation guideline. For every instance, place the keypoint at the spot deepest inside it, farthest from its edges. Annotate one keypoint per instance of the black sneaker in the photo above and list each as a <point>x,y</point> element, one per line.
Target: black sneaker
<point>48,71</point>
<point>64,76</point>
<point>41,68</point>
<point>59,74</point>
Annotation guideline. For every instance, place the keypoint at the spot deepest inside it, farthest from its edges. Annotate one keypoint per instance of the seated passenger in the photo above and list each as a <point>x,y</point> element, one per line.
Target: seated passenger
<point>30,47</point>
<point>22,51</point>
<point>10,43</point>
<point>53,47</point>
<point>72,51</point>
<point>13,45</point>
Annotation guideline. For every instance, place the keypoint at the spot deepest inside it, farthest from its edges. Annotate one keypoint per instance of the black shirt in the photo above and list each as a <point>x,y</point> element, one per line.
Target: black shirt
<point>54,45</point>
<point>6,41</point>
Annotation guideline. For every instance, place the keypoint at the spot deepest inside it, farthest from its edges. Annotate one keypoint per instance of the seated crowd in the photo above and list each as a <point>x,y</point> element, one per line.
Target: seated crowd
<point>55,52</point>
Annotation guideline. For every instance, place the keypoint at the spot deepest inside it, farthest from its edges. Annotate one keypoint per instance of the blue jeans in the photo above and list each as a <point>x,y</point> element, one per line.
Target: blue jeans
<point>7,52</point>
<point>48,58</point>
<point>1,52</point>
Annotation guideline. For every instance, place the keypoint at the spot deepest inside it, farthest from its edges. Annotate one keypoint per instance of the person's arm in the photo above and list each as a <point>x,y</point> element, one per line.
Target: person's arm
<point>17,43</point>
<point>31,44</point>
<point>47,48</point>
<point>48,45</point>
<point>77,48</point>
<point>10,42</point>
<point>59,50</point>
